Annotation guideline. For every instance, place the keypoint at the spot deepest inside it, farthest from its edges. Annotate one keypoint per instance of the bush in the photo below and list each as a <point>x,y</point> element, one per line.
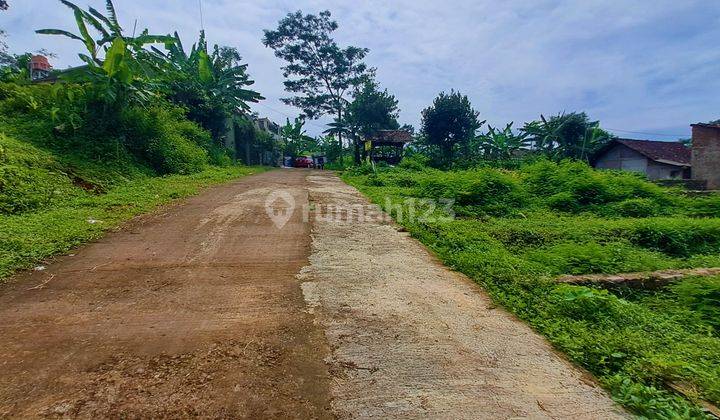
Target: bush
<point>563,201</point>
<point>678,237</point>
<point>64,118</point>
<point>165,140</point>
<point>363,169</point>
<point>572,186</point>
<point>704,207</point>
<point>591,258</point>
<point>701,295</point>
<point>476,192</point>
<point>29,178</point>
<point>174,154</point>
<point>636,207</point>
<point>416,162</point>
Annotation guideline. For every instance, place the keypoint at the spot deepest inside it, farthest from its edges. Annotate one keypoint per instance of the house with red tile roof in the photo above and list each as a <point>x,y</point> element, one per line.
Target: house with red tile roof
<point>656,159</point>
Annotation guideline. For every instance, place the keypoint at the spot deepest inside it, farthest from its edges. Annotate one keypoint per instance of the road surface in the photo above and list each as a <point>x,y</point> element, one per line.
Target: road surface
<point>260,299</point>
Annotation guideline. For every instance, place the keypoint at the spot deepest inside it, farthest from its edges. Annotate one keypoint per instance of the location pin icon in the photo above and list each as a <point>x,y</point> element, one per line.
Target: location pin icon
<point>279,206</point>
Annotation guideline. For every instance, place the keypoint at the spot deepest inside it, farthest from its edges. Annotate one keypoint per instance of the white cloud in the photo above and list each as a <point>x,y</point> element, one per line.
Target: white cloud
<point>635,65</point>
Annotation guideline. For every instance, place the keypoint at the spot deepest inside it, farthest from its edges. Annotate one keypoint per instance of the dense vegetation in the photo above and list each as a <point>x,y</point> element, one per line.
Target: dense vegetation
<point>134,127</point>
<point>517,230</point>
<point>143,122</point>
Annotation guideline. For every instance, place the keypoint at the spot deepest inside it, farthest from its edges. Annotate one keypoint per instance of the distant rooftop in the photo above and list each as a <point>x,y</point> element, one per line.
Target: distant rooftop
<point>671,152</point>
<point>708,125</point>
<point>392,136</point>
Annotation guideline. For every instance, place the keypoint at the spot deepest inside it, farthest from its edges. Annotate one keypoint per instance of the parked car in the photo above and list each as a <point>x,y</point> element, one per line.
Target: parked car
<point>303,162</point>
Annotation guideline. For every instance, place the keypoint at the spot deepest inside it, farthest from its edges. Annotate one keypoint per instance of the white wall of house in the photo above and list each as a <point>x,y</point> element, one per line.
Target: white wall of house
<point>626,159</point>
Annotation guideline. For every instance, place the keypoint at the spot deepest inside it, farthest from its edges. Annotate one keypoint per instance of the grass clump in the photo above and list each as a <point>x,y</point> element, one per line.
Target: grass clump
<point>65,160</point>
<point>33,236</point>
<point>567,218</point>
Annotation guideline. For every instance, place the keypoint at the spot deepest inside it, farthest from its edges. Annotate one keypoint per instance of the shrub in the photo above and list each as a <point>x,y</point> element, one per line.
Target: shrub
<point>677,237</point>
<point>174,154</point>
<point>590,258</point>
<point>24,189</point>
<point>704,207</point>
<point>479,192</point>
<point>165,140</point>
<point>636,207</point>
<point>563,201</point>
<point>416,162</point>
<point>363,169</point>
<point>572,186</point>
<point>29,178</point>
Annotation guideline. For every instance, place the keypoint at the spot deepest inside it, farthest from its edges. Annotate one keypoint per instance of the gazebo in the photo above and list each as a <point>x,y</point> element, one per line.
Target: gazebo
<point>387,146</point>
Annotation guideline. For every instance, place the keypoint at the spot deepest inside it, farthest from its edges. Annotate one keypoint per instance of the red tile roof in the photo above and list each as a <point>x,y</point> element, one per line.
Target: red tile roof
<point>661,151</point>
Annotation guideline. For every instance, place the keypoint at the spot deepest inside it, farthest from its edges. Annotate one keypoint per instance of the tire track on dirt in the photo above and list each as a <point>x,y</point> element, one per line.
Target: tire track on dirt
<point>194,311</point>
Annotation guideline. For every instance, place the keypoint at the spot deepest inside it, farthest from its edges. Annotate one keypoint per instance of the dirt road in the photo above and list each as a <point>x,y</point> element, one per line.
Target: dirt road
<point>193,311</point>
<point>208,309</point>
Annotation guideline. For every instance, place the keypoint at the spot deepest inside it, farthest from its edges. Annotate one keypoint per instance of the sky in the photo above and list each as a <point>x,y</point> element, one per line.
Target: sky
<point>646,69</point>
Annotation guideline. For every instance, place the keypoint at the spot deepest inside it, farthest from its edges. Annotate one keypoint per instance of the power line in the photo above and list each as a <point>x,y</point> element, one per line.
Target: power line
<point>645,133</point>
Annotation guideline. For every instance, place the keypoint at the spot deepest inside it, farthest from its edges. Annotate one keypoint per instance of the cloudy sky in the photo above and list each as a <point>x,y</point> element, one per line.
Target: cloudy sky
<point>644,68</point>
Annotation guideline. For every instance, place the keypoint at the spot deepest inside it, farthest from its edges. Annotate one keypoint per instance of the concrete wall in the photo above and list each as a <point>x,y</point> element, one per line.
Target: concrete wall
<point>622,157</point>
<point>658,171</point>
<point>706,155</point>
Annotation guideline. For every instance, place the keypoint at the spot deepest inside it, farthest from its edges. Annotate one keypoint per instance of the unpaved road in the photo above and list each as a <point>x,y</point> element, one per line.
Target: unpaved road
<point>208,309</point>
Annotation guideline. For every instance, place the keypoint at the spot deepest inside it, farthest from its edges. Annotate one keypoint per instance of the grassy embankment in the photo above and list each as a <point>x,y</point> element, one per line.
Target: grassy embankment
<point>516,231</point>
<point>64,182</point>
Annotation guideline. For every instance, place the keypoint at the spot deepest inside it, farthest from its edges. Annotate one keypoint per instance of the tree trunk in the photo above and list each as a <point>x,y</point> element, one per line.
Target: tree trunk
<point>448,152</point>
<point>339,116</point>
<point>357,151</point>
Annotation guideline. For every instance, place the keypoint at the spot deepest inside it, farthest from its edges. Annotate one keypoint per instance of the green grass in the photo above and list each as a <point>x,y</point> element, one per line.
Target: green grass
<point>515,245</point>
<point>63,224</point>
<point>65,181</point>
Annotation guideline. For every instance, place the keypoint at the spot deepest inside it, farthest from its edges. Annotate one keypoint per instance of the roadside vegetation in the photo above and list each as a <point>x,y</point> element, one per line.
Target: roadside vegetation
<point>516,231</point>
<point>143,122</point>
<point>139,124</point>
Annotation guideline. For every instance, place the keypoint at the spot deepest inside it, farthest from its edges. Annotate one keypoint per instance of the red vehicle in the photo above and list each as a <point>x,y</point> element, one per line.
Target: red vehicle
<point>303,162</point>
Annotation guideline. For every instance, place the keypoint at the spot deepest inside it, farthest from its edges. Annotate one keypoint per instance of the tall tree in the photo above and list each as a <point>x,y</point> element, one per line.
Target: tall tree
<point>450,123</point>
<point>372,110</point>
<point>319,73</point>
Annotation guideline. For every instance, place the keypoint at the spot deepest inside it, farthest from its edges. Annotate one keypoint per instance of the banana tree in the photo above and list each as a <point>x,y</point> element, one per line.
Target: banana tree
<point>502,144</point>
<point>296,140</point>
<point>119,67</point>
<point>212,85</point>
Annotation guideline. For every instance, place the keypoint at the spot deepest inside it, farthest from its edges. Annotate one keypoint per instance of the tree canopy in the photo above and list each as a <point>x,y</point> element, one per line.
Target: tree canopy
<point>450,123</point>
<point>319,73</point>
<point>571,135</point>
<point>373,109</point>
<point>212,86</point>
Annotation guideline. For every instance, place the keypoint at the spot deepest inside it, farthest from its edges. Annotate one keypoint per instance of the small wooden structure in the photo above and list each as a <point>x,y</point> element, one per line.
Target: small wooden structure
<point>387,146</point>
